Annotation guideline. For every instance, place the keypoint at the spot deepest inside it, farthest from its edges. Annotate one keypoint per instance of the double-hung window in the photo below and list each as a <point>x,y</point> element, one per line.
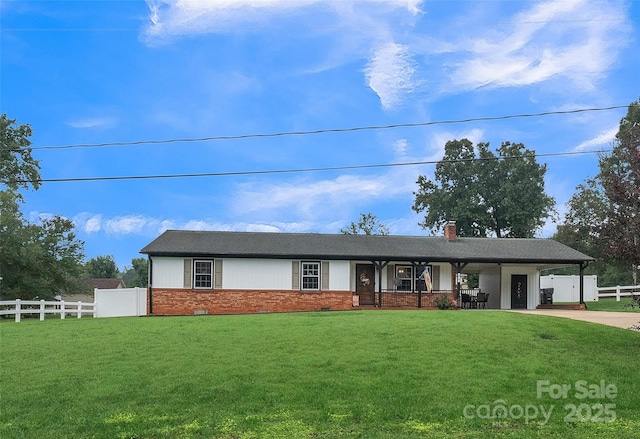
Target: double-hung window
<point>203,274</point>
<point>310,275</point>
<point>404,277</point>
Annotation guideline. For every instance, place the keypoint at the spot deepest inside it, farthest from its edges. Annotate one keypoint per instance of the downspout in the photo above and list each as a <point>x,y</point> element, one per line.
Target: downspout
<point>150,285</point>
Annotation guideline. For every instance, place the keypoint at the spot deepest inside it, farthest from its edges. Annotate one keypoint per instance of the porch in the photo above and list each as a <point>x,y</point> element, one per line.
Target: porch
<point>397,298</point>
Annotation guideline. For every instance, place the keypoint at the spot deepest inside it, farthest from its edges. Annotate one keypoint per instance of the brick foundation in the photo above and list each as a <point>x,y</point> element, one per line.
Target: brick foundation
<point>177,301</point>
<point>410,300</point>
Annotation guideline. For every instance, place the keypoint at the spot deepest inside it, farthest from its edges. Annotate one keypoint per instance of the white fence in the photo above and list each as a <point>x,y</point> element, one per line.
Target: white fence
<point>618,291</point>
<point>567,288</point>
<point>121,302</point>
<point>19,307</point>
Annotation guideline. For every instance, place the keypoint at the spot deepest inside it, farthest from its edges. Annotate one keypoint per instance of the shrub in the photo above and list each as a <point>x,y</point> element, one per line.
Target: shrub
<point>443,301</point>
<point>635,302</point>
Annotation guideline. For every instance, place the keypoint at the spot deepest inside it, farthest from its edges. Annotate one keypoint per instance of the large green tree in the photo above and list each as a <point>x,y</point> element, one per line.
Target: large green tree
<point>619,175</point>
<point>101,267</point>
<point>368,224</point>
<point>18,168</point>
<point>587,207</point>
<point>603,217</point>
<point>37,259</point>
<point>137,275</point>
<point>487,194</point>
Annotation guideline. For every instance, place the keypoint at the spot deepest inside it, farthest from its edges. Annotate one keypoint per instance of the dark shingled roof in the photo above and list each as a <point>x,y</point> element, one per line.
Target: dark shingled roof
<point>104,283</point>
<point>361,247</point>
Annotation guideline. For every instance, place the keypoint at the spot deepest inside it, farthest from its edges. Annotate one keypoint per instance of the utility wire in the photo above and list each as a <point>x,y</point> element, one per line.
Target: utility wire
<point>300,170</point>
<point>327,131</point>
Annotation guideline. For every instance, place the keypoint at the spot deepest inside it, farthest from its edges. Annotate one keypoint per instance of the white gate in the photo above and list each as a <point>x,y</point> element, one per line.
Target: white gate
<point>121,302</point>
<point>567,288</point>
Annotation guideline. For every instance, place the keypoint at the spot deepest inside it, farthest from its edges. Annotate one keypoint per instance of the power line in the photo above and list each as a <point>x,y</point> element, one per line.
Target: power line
<point>328,130</point>
<point>291,171</point>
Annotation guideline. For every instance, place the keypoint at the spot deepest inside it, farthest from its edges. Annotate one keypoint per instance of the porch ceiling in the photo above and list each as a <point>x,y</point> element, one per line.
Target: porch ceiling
<point>477,267</point>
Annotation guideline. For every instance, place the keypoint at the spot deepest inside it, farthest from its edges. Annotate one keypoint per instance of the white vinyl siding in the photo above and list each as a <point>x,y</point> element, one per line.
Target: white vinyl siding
<point>257,274</point>
<point>339,275</point>
<point>167,272</point>
<point>533,285</point>
<point>251,274</point>
<point>445,277</point>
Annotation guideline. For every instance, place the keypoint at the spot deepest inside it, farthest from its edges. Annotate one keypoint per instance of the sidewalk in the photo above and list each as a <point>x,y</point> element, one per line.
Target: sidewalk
<point>618,319</point>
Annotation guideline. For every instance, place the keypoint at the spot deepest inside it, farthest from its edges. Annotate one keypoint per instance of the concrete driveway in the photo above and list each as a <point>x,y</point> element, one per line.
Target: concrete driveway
<point>618,319</point>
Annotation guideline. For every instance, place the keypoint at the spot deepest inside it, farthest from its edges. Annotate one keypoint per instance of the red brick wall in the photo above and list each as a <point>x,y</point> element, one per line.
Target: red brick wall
<point>175,301</point>
<point>410,300</point>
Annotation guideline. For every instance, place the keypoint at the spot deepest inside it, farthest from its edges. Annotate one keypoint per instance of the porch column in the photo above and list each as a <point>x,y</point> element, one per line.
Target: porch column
<point>379,266</point>
<point>419,266</point>
<point>582,267</point>
<point>458,269</point>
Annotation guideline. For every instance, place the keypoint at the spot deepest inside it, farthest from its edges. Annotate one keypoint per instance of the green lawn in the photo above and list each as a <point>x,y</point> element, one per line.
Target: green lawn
<point>364,374</point>
<point>610,304</point>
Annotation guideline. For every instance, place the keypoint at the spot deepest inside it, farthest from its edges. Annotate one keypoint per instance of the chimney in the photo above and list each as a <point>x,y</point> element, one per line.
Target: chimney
<point>450,231</point>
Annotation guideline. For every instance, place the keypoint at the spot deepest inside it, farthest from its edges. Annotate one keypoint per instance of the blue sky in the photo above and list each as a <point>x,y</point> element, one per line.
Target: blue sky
<point>87,72</point>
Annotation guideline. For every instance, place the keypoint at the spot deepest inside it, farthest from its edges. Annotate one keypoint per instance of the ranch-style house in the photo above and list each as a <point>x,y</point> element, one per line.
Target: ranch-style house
<point>201,272</point>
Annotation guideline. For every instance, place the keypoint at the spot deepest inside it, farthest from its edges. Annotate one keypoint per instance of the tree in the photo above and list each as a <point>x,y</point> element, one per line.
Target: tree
<point>18,169</point>
<point>101,267</point>
<point>138,274</point>
<point>37,259</point>
<point>603,217</point>
<point>620,179</point>
<point>368,224</point>
<point>485,194</point>
<point>588,206</point>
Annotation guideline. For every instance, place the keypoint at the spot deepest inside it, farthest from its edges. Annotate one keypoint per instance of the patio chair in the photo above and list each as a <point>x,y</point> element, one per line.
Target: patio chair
<point>466,301</point>
<point>482,300</point>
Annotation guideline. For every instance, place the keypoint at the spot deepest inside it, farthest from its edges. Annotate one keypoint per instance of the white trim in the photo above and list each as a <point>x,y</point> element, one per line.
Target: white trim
<point>318,277</point>
<point>210,274</point>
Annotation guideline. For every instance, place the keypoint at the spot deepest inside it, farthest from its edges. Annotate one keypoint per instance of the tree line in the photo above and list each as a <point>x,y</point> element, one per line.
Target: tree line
<point>104,267</point>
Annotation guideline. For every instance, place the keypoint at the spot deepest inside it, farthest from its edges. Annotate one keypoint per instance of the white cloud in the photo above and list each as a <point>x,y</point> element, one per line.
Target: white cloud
<point>391,74</point>
<point>603,139</point>
<point>313,199</point>
<point>183,17</point>
<point>551,39</point>
<point>125,225</point>
<point>91,223</point>
<point>92,122</point>
<point>88,223</point>
<point>400,148</point>
<point>203,225</point>
<point>94,223</point>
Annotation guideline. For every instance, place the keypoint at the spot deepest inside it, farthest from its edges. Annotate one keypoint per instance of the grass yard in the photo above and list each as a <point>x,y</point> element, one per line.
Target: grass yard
<point>364,374</point>
<point>610,304</point>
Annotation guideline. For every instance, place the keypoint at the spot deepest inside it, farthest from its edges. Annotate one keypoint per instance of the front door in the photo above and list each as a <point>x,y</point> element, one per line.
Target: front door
<point>365,283</point>
<point>518,291</point>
